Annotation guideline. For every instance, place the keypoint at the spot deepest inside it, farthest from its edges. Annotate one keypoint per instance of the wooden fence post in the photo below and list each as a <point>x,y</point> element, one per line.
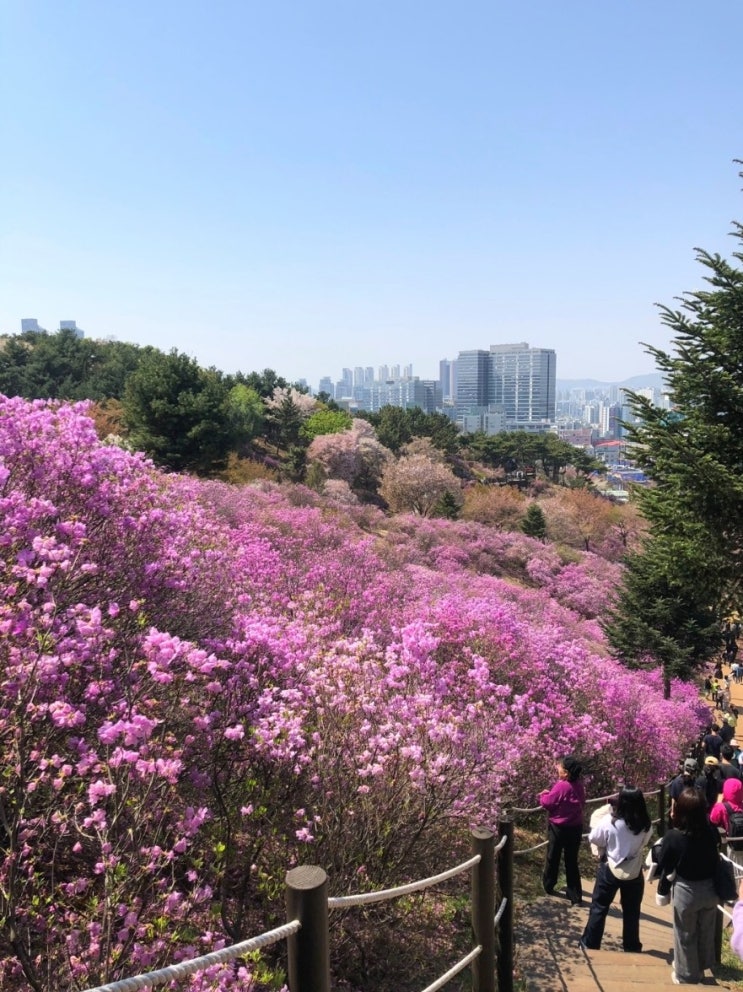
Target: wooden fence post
<point>309,948</point>
<point>505,927</point>
<point>483,910</point>
<point>661,809</point>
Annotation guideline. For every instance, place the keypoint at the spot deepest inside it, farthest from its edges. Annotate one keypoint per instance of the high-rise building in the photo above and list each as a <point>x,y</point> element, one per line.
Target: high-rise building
<point>473,381</point>
<point>448,379</point>
<point>406,393</point>
<point>520,379</point>
<point>344,388</point>
<point>31,324</point>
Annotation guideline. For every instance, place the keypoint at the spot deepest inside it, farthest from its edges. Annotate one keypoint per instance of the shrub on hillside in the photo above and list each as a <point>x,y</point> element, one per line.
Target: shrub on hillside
<point>203,684</point>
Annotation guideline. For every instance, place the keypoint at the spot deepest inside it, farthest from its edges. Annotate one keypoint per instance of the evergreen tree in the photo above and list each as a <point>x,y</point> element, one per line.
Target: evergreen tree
<point>690,572</point>
<point>449,507</point>
<point>178,413</point>
<point>534,523</point>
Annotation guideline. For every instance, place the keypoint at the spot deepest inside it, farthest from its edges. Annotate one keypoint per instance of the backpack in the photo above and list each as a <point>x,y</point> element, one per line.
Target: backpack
<point>735,827</point>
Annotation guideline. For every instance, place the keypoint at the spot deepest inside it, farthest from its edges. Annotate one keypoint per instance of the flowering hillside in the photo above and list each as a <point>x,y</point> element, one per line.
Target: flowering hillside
<point>203,685</point>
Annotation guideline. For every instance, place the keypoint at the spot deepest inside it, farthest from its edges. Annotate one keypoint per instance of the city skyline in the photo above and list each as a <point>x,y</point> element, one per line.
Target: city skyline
<point>275,186</point>
<point>389,370</point>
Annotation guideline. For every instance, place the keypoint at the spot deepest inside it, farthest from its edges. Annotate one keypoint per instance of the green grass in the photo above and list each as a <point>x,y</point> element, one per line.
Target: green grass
<point>730,971</point>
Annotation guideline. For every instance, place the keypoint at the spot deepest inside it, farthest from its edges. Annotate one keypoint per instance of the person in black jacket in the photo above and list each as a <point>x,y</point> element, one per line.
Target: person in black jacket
<point>710,781</point>
<point>691,850</point>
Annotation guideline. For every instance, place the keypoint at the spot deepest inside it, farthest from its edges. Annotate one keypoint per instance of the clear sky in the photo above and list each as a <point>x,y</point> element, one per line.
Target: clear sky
<point>311,185</point>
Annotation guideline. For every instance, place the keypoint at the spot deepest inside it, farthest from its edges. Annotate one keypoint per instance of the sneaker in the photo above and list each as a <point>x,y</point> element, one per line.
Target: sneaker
<point>674,978</point>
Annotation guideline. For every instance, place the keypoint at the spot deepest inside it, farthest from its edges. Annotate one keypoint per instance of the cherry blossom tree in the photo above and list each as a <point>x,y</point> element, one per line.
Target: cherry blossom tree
<point>416,483</point>
<point>353,456</point>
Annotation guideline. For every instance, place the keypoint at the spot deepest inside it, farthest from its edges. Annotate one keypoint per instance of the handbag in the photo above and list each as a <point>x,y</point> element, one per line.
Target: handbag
<point>651,862</point>
<point>596,817</point>
<point>724,879</point>
<point>628,868</point>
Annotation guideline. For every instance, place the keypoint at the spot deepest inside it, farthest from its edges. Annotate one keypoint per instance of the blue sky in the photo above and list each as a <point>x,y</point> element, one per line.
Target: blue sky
<point>307,186</point>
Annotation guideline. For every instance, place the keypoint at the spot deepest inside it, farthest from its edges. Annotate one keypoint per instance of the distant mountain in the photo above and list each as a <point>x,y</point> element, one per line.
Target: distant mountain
<point>652,380</point>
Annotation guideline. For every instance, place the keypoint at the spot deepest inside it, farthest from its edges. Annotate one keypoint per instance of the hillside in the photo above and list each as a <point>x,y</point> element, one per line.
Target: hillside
<point>204,683</point>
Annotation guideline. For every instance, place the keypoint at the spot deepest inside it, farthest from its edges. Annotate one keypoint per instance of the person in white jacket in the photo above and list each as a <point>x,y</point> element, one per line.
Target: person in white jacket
<point>621,836</point>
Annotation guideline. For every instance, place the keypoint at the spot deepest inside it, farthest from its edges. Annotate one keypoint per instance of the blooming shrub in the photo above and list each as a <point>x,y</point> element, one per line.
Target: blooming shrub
<point>202,685</point>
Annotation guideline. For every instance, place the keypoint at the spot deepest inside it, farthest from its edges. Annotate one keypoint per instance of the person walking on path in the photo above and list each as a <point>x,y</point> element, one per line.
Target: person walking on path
<point>710,781</point>
<point>621,835</point>
<point>728,816</point>
<point>684,780</point>
<point>712,742</point>
<point>728,766</point>
<point>691,849</point>
<point>564,804</point>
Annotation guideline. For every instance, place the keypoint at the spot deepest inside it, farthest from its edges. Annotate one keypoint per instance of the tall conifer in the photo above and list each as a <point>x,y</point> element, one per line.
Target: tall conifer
<point>689,574</point>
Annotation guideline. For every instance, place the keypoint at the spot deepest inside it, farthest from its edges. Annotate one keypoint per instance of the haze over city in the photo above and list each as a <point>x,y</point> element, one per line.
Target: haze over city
<point>308,188</point>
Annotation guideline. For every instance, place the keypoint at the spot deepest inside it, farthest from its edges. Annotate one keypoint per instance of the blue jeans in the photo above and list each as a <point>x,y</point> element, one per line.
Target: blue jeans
<point>604,891</point>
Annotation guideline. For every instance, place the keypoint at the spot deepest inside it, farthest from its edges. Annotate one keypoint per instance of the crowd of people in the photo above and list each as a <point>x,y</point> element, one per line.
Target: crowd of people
<point>706,812</point>
<point>706,806</point>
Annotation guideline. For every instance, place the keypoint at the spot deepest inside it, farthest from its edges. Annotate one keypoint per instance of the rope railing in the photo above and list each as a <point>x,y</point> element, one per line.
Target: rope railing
<point>383,895</point>
<point>186,968</point>
<point>291,930</point>
<point>454,970</point>
<point>530,850</point>
<point>307,899</point>
<point>308,907</point>
<point>589,802</point>
<point>501,911</point>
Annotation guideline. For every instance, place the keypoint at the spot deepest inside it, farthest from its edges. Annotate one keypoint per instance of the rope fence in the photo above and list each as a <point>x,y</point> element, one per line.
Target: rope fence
<point>659,821</point>
<point>307,932</point>
<point>454,971</point>
<point>186,968</point>
<point>383,895</point>
<point>307,899</point>
<point>309,905</point>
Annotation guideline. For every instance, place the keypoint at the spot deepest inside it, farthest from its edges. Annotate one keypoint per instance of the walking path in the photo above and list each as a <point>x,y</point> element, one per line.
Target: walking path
<point>547,931</point>
<point>549,958</point>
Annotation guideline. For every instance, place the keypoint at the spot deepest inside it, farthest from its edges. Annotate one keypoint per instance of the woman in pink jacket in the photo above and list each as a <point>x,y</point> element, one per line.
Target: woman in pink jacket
<point>723,814</point>
<point>564,803</point>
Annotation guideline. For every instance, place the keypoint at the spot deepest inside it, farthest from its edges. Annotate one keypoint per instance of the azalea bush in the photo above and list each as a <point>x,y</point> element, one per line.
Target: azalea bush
<point>203,685</point>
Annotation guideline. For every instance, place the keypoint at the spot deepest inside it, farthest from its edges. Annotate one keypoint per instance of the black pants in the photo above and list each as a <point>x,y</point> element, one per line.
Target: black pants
<point>630,895</point>
<point>565,839</point>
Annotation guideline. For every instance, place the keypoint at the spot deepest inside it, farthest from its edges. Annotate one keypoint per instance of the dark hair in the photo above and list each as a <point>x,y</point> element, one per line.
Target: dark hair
<point>727,751</point>
<point>690,811</point>
<point>631,807</point>
<point>572,766</point>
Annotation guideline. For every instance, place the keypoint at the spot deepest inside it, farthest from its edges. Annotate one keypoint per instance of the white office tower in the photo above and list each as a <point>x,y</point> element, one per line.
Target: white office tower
<point>520,379</point>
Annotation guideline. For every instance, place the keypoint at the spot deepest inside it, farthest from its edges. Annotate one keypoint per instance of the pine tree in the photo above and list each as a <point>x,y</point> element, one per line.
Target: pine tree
<point>690,571</point>
<point>534,523</point>
<point>449,507</point>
